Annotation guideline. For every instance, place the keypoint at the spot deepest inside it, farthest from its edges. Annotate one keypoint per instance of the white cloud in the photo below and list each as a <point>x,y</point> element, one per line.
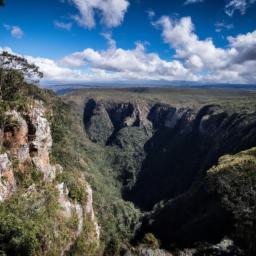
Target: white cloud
<point>221,25</point>
<point>210,63</point>
<point>193,2</point>
<point>129,64</point>
<point>238,5</point>
<point>245,47</point>
<point>151,14</point>
<point>111,12</point>
<point>180,35</point>
<point>243,40</point>
<point>63,25</point>
<point>16,31</point>
<point>112,64</point>
<point>194,60</point>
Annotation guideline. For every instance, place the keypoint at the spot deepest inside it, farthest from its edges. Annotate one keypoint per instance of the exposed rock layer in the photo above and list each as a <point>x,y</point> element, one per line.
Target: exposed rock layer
<point>27,141</point>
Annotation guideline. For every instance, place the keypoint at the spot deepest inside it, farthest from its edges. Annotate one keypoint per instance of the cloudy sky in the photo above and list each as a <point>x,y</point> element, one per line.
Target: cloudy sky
<point>134,41</point>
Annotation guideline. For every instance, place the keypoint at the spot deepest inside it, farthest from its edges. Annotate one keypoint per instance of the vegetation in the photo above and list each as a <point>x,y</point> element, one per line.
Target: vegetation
<point>32,222</point>
<point>165,163</point>
<point>150,241</point>
<point>75,184</point>
<point>78,154</point>
<point>13,72</point>
<point>234,180</point>
<point>32,225</point>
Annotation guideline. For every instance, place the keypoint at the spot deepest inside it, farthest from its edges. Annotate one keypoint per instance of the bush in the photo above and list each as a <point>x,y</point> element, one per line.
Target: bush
<point>18,237</point>
<point>24,220</point>
<point>75,186</point>
<point>149,240</point>
<point>13,82</point>
<point>28,177</point>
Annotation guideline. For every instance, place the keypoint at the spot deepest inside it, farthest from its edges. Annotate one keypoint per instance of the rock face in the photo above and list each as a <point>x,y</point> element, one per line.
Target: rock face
<point>89,211</point>
<point>28,138</point>
<point>98,124</point>
<point>7,181</point>
<point>103,120</point>
<point>40,140</point>
<point>148,252</point>
<point>27,142</point>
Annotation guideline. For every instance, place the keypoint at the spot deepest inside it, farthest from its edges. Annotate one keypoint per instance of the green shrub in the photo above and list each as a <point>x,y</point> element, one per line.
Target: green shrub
<point>75,185</point>
<point>29,176</point>
<point>25,220</point>
<point>149,240</point>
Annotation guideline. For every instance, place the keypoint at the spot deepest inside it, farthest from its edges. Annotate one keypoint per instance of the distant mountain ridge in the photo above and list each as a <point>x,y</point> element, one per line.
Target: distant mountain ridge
<point>65,88</point>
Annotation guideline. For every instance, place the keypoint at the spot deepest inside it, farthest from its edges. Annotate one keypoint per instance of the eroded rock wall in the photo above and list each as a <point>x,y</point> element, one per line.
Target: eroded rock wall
<point>26,142</point>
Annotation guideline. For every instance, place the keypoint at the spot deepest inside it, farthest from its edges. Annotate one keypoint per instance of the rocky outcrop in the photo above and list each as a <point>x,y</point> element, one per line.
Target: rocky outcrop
<point>40,140</point>
<point>104,119</point>
<point>148,252</point>
<point>225,248</point>
<point>97,122</point>
<point>27,137</point>
<point>7,181</point>
<point>69,209</point>
<point>26,141</point>
<point>89,211</point>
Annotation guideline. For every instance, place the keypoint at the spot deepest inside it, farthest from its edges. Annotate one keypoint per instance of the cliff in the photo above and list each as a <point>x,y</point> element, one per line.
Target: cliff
<point>38,215</point>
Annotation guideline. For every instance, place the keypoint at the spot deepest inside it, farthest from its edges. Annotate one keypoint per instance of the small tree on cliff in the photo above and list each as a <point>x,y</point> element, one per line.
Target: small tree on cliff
<point>14,70</point>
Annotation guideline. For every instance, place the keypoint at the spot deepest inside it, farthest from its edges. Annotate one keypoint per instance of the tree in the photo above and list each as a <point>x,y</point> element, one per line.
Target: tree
<point>14,70</point>
<point>10,62</point>
<point>1,2</point>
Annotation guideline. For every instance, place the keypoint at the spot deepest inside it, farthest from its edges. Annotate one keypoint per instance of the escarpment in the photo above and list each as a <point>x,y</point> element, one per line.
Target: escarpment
<point>38,214</point>
<point>162,152</point>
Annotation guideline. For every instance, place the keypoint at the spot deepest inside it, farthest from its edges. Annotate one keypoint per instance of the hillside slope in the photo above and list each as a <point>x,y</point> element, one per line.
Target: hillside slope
<point>159,145</point>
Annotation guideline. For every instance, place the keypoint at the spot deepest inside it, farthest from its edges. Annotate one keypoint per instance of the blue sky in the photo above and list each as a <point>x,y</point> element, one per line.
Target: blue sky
<point>81,41</point>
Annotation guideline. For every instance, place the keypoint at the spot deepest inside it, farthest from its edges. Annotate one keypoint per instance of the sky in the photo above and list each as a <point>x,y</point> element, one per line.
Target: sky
<point>134,41</point>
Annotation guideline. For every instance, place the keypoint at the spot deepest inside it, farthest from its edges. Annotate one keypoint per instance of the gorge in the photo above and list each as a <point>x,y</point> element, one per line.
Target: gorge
<point>161,153</point>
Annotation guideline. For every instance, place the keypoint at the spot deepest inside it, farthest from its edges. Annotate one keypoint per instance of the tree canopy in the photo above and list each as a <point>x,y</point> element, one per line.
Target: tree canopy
<point>10,62</point>
<point>14,72</point>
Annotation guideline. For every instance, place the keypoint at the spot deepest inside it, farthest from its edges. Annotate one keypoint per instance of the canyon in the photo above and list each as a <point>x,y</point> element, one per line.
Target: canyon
<point>163,154</point>
<point>131,172</point>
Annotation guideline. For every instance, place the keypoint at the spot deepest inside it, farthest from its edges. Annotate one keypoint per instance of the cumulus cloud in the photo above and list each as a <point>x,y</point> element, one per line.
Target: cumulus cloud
<point>16,31</point>
<point>134,63</point>
<point>63,25</point>
<point>245,46</point>
<point>195,59</point>
<point>180,35</point>
<point>238,5</point>
<point>111,12</point>
<point>207,61</point>
<point>192,2</point>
